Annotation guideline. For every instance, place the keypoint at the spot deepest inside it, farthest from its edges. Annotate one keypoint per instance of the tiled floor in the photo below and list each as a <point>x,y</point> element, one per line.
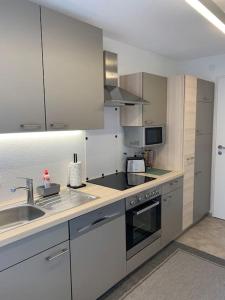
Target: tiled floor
<point>206,240</point>
<point>208,236</point>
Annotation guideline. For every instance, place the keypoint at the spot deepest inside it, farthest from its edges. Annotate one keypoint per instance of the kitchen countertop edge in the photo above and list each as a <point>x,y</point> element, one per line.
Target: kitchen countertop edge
<point>105,196</point>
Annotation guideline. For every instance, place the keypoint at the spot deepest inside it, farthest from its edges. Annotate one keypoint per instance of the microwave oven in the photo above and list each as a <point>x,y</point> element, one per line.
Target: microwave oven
<point>145,137</point>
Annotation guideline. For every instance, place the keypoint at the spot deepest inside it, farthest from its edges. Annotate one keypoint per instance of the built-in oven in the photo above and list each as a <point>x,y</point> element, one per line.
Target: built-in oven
<point>143,220</point>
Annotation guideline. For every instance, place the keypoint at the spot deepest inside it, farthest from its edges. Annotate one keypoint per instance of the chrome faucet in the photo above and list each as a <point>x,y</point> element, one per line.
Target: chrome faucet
<point>29,188</point>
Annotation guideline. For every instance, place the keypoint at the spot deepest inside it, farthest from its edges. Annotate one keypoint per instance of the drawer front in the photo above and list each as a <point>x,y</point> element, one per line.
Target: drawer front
<point>32,245</point>
<point>96,218</point>
<point>172,185</point>
<point>44,276</point>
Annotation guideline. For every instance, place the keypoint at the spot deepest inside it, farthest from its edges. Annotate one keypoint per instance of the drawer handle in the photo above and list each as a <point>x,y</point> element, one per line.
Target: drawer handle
<point>108,217</point>
<point>52,257</point>
<point>30,126</point>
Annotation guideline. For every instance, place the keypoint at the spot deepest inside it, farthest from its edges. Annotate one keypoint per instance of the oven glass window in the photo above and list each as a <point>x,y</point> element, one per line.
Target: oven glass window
<point>142,222</point>
<point>153,135</point>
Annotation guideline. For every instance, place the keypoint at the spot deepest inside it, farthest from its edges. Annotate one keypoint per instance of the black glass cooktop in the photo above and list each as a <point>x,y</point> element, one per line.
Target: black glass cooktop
<point>121,181</point>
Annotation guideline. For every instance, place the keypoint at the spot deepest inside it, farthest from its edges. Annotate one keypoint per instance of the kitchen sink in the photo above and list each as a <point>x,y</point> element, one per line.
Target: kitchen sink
<point>65,200</point>
<point>19,215</point>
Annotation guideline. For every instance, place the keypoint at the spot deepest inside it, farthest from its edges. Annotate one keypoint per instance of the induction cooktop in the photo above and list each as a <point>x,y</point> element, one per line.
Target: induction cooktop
<point>121,181</point>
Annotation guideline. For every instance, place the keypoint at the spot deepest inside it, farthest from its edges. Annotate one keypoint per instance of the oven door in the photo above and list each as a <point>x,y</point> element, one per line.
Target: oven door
<point>143,226</point>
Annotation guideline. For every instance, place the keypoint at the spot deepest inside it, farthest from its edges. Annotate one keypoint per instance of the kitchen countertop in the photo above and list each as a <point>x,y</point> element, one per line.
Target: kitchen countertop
<point>105,196</point>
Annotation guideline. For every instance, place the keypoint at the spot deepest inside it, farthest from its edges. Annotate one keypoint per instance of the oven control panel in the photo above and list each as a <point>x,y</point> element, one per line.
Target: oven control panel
<point>143,197</point>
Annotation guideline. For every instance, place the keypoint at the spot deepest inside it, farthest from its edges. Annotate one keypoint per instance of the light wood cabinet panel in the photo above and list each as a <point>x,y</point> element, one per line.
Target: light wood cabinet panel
<point>190,100</point>
<point>21,74</point>
<point>150,87</point>
<point>188,191</point>
<point>73,72</point>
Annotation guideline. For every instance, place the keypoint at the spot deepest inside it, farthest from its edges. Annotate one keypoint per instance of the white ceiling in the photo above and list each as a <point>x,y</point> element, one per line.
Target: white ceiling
<point>168,27</point>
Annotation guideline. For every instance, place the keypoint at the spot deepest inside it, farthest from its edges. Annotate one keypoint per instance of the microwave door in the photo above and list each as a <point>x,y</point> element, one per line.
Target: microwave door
<point>153,135</point>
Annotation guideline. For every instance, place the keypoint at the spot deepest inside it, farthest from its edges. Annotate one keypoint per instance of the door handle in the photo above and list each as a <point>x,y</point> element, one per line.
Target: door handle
<point>221,147</point>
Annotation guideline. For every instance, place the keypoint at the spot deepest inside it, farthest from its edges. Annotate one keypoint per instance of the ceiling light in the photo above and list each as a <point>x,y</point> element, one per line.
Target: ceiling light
<point>206,13</point>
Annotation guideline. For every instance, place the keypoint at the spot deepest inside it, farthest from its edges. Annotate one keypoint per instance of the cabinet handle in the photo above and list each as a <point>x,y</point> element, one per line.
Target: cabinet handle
<point>168,197</point>
<point>30,126</point>
<point>149,122</point>
<point>198,172</point>
<point>58,125</point>
<point>108,217</point>
<point>191,158</point>
<point>52,257</point>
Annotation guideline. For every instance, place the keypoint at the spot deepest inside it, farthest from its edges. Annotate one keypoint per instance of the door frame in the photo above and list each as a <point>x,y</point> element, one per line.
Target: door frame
<point>214,145</point>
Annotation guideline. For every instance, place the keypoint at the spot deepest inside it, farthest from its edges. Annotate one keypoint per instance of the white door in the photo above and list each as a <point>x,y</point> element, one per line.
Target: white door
<point>218,206</point>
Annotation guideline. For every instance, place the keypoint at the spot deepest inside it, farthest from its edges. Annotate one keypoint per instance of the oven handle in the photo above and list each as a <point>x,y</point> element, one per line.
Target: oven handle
<point>139,212</point>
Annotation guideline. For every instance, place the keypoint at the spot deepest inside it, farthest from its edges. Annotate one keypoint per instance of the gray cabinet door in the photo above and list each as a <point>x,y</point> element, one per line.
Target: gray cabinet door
<point>98,260</point>
<point>202,185</point>
<point>21,74</point>
<point>155,91</point>
<point>73,72</point>
<point>205,90</point>
<point>201,195</point>
<point>204,117</point>
<point>172,210</point>
<point>45,276</point>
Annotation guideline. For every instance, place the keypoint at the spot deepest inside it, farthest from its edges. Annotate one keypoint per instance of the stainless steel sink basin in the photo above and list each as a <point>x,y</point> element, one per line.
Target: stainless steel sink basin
<point>19,215</point>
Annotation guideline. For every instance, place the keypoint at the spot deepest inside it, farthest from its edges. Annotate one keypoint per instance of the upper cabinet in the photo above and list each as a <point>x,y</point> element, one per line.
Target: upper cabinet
<point>73,72</point>
<point>21,78</point>
<point>152,88</point>
<point>51,70</point>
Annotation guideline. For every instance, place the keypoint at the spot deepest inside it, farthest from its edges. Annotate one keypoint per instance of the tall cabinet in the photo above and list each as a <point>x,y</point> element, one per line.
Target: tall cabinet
<point>203,148</point>
<point>189,141</point>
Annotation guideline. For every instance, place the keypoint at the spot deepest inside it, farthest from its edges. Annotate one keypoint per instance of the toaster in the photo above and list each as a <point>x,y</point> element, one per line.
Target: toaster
<point>135,165</point>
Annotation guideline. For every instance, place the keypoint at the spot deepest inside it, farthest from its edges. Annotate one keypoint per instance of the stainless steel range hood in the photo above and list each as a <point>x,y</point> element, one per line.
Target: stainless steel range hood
<point>114,95</point>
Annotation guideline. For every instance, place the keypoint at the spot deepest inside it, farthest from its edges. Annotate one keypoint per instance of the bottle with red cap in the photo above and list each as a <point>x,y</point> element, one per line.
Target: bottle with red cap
<point>46,179</point>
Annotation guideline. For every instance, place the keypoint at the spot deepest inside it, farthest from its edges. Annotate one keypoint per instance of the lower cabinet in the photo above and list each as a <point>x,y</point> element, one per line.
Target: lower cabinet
<point>172,211</point>
<point>45,276</point>
<point>98,253</point>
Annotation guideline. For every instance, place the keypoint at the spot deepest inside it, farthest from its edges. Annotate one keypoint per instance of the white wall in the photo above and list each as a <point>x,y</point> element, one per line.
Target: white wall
<point>207,67</point>
<point>132,59</point>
